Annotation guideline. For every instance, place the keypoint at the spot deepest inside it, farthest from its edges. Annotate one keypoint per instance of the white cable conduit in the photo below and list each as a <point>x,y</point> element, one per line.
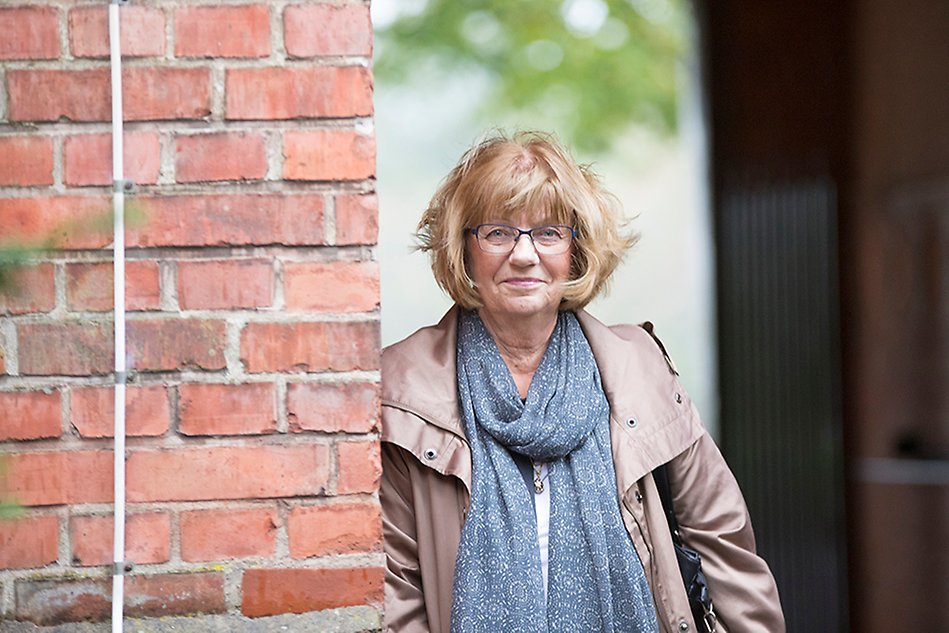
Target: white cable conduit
<point>118,228</point>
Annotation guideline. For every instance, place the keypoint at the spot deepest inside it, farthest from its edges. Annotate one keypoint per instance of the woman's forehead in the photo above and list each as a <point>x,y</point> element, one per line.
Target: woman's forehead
<point>525,217</point>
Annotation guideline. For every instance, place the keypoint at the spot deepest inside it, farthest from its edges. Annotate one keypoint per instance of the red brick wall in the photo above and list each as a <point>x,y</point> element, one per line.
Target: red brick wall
<point>253,299</point>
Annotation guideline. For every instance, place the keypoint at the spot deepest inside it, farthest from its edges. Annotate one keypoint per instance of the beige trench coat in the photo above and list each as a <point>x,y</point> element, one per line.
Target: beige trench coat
<point>427,480</point>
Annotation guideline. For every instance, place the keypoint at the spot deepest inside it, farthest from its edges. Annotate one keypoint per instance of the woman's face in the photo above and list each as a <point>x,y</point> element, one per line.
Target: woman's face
<point>522,283</point>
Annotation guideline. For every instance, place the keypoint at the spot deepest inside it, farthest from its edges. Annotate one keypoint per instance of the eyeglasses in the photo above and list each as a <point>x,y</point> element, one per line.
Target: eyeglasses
<point>551,239</point>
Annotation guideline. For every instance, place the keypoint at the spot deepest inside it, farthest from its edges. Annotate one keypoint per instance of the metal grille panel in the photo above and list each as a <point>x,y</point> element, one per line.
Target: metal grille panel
<point>779,357</point>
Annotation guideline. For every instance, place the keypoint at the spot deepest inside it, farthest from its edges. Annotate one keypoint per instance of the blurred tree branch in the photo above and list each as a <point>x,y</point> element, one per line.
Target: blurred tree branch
<point>586,68</point>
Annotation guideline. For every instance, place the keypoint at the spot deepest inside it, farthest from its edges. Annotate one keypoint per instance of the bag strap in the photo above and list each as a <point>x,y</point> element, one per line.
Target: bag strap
<point>665,495</point>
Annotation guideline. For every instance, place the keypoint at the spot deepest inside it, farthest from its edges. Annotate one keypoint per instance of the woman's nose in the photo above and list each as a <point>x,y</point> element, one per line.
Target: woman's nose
<point>524,251</point>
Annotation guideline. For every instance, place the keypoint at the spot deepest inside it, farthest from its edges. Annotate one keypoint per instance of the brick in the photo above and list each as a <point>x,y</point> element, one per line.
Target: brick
<point>148,93</point>
<point>147,412</point>
<point>222,31</point>
<point>229,472</point>
<point>49,602</point>
<point>221,156</point>
<point>89,287</point>
<point>57,221</point>
<point>141,31</point>
<point>59,477</point>
<point>344,528</point>
<point>294,347</point>
<point>87,158</point>
<point>349,407</point>
<point>327,29</point>
<point>328,155</point>
<point>30,541</point>
<point>225,285</point>
<point>27,289</point>
<point>29,33</point>
<point>243,409</point>
<point>357,219</point>
<point>30,415</point>
<point>275,591</point>
<point>332,286</point>
<point>152,94</point>
<point>48,95</point>
<point>147,538</point>
<point>222,534</point>
<point>175,344</point>
<point>26,161</point>
<point>66,349</point>
<point>292,93</point>
<point>359,467</point>
<point>230,220</point>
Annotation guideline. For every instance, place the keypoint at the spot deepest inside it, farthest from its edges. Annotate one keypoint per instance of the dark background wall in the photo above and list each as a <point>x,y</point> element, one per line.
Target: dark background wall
<point>830,169</point>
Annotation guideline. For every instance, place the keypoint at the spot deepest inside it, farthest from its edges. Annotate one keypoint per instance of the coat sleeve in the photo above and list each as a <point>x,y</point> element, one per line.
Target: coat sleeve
<point>404,599</point>
<point>713,519</point>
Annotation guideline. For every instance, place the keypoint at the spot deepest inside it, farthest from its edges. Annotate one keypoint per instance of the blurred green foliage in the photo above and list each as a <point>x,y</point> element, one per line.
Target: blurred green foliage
<point>585,68</point>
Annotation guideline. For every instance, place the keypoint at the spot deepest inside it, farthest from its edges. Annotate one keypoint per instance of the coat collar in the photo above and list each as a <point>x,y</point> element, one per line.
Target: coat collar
<point>652,419</point>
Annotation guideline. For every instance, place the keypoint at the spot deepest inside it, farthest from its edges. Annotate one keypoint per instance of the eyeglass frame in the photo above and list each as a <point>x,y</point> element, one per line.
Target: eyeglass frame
<point>520,232</point>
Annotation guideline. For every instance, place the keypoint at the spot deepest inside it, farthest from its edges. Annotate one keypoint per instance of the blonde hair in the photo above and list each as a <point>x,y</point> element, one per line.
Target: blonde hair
<point>503,177</point>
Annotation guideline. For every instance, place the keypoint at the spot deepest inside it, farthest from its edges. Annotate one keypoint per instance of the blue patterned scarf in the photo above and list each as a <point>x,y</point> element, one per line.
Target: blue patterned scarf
<point>596,580</point>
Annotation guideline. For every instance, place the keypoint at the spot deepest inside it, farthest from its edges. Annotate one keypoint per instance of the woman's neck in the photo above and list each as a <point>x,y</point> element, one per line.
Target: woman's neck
<point>522,342</point>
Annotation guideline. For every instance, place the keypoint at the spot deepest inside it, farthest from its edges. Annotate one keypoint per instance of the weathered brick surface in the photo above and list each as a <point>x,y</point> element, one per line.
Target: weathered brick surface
<point>26,160</point>
<point>147,538</point>
<point>147,411</point>
<point>76,348</point>
<point>30,415</point>
<point>223,285</point>
<point>141,31</point>
<point>350,407</point>
<point>85,347</point>
<point>342,528</point>
<point>271,591</point>
<point>29,541</point>
<point>298,92</point>
<point>248,472</point>
<point>149,94</point>
<point>89,287</point>
<point>230,220</point>
<point>332,287</point>
<point>48,602</point>
<point>59,477</point>
<point>327,29</point>
<point>241,31</point>
<point>357,219</point>
<point>359,467</point>
<point>218,534</point>
<point>28,289</point>
<point>244,409</point>
<point>29,32</point>
<point>295,347</point>
<point>87,158</point>
<point>328,155</point>
<point>169,344</point>
<point>251,406</point>
<point>222,156</point>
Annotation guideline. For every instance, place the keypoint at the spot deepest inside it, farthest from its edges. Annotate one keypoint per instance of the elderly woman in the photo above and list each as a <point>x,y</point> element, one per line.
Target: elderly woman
<point>520,433</point>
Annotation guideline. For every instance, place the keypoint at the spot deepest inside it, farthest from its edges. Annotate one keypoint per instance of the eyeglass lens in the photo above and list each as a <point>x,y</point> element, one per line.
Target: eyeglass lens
<point>499,238</point>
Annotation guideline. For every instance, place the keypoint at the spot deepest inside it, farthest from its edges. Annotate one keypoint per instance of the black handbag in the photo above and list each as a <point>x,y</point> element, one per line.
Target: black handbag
<point>690,563</point>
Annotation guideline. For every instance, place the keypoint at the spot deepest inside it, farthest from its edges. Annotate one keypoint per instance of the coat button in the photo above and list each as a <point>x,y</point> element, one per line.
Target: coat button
<point>631,423</point>
<point>639,496</point>
<point>683,625</point>
<point>679,401</point>
<point>430,454</point>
